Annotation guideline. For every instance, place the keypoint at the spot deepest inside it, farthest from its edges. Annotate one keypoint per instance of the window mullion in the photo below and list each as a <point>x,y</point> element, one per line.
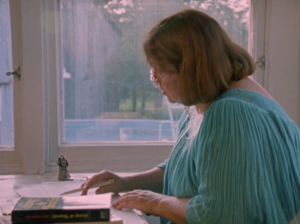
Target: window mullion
<point>33,89</point>
<point>257,39</point>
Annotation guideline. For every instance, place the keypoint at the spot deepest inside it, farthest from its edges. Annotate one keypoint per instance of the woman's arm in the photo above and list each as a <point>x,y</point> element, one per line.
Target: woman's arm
<point>173,209</point>
<point>148,180</point>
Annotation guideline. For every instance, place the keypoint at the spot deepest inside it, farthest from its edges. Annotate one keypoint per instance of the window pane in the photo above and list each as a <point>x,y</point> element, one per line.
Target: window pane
<point>107,93</point>
<point>6,95</point>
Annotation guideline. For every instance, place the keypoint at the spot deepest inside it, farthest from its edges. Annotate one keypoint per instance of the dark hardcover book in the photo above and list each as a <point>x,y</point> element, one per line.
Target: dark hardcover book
<point>113,220</point>
<point>68,209</point>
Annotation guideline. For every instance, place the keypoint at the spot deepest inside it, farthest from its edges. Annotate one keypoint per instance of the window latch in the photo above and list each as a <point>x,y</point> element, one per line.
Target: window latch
<point>261,62</point>
<point>16,73</point>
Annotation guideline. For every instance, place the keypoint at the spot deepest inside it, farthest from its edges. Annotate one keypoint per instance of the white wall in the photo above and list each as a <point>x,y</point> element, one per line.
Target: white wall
<point>282,51</point>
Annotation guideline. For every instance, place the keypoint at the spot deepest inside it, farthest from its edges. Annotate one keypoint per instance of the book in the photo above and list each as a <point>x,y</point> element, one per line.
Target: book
<point>113,220</point>
<point>68,209</point>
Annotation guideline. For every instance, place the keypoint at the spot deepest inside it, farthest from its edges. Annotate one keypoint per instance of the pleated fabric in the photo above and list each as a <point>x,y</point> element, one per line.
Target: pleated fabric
<point>239,163</point>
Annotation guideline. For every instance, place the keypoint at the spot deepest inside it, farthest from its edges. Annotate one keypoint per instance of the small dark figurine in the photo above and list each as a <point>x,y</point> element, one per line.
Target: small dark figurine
<point>63,171</point>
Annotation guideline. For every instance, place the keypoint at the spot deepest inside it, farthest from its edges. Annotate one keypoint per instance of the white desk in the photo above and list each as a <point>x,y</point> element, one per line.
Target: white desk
<point>7,192</point>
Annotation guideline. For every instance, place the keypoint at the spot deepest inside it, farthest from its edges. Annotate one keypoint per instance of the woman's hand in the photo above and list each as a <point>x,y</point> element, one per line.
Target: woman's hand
<point>145,201</point>
<point>171,208</point>
<point>119,184</point>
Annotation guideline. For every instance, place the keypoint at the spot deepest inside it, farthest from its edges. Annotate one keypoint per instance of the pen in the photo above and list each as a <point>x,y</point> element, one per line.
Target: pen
<point>111,181</point>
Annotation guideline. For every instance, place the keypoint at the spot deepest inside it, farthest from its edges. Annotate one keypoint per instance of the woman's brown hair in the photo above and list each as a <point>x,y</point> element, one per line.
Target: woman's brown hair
<point>207,58</point>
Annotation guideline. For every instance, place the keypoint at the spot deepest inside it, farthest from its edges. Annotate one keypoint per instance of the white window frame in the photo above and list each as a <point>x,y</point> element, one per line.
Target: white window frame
<point>36,94</point>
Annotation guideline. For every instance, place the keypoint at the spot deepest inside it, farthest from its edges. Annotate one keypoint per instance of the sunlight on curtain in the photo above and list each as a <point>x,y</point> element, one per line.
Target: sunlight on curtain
<point>6,94</point>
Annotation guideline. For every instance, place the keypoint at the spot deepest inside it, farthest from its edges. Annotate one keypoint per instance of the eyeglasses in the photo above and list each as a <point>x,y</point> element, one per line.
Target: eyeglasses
<point>155,81</point>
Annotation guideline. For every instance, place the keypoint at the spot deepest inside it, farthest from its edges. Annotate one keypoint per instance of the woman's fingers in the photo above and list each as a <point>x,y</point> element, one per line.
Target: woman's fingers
<point>144,201</point>
<point>99,177</point>
<point>118,185</point>
<point>128,200</point>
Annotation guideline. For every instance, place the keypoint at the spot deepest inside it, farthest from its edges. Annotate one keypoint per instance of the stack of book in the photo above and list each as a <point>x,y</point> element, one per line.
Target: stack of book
<point>70,209</point>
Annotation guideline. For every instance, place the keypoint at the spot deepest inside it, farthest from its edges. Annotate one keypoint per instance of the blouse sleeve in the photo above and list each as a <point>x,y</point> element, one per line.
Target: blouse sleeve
<point>163,165</point>
<point>236,169</point>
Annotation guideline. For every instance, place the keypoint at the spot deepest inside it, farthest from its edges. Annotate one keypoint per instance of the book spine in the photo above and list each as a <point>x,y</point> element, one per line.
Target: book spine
<point>60,216</point>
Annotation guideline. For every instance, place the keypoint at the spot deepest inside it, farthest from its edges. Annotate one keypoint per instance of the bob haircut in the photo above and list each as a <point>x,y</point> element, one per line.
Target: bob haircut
<point>206,57</point>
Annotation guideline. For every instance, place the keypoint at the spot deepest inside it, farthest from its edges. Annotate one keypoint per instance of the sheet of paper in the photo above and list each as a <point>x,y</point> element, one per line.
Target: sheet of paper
<point>49,189</point>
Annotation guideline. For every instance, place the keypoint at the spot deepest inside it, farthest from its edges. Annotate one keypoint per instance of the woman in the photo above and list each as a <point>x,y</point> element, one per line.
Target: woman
<point>242,164</point>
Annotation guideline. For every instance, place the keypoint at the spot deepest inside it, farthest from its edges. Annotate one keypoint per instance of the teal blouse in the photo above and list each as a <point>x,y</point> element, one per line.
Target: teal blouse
<point>239,163</point>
